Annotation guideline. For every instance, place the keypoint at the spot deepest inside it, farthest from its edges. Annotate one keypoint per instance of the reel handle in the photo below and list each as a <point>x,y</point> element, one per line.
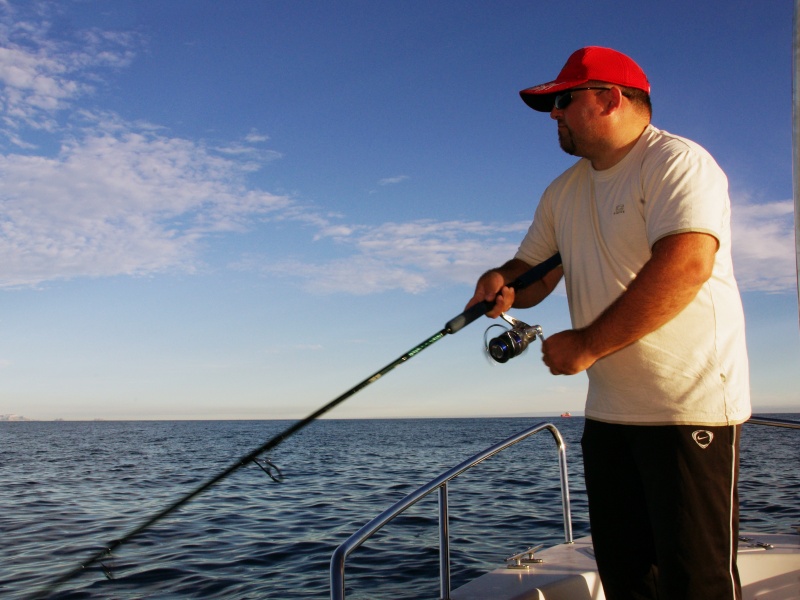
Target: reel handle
<point>521,282</point>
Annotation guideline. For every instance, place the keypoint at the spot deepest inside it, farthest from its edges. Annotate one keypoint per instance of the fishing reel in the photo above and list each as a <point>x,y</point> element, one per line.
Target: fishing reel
<point>512,342</point>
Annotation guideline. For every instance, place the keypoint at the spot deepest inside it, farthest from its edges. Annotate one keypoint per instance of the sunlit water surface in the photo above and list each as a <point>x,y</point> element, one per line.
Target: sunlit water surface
<point>68,488</point>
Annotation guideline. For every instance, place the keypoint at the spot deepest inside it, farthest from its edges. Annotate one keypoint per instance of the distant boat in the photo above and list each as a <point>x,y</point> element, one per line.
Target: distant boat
<point>566,414</point>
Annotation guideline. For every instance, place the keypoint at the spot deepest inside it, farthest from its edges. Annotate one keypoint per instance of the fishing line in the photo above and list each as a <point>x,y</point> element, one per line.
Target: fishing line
<point>454,325</point>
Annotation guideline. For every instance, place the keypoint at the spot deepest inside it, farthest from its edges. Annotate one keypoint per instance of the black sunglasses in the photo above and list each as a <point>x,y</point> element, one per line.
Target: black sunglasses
<point>562,100</point>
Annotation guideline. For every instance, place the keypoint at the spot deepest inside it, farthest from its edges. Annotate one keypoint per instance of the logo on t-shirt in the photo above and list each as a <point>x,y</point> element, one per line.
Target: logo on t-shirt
<point>619,209</point>
<point>702,438</point>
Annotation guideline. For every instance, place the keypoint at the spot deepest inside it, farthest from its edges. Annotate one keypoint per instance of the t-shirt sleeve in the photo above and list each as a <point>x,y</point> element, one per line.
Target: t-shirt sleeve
<point>686,191</point>
<point>539,243</point>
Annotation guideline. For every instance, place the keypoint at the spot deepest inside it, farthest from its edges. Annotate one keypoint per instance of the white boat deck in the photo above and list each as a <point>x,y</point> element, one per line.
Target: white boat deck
<point>569,573</point>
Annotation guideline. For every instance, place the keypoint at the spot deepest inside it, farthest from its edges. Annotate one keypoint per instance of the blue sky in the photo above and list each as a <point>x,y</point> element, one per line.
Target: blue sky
<point>242,209</point>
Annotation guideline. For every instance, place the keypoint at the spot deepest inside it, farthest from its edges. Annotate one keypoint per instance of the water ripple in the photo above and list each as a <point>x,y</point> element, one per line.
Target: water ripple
<point>249,537</point>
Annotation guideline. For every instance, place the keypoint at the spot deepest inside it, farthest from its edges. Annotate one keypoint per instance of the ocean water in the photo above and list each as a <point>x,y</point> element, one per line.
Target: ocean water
<point>68,488</point>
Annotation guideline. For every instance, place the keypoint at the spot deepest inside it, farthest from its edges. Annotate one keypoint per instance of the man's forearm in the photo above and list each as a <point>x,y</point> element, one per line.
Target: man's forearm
<point>666,285</point>
<point>493,287</point>
<point>534,293</point>
<point>668,282</point>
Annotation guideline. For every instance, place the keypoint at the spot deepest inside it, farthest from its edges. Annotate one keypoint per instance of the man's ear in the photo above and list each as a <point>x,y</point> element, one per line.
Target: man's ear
<point>612,100</point>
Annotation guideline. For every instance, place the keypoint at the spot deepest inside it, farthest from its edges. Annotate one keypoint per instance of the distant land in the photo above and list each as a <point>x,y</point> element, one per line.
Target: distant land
<point>13,418</point>
<point>757,410</point>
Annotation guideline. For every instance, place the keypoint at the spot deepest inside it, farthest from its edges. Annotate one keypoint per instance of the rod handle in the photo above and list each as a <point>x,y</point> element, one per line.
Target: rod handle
<point>527,278</point>
<point>468,316</point>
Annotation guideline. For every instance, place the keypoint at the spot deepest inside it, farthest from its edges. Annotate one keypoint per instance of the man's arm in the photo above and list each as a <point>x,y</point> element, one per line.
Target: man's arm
<point>679,266</point>
<point>492,287</point>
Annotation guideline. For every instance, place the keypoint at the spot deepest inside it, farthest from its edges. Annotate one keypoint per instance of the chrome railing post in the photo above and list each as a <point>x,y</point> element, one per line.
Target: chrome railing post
<point>337,573</point>
<point>566,509</point>
<point>440,484</point>
<point>444,543</point>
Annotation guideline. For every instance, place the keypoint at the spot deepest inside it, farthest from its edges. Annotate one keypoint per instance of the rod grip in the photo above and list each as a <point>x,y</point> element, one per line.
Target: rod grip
<point>536,273</point>
<point>468,316</point>
<point>527,278</point>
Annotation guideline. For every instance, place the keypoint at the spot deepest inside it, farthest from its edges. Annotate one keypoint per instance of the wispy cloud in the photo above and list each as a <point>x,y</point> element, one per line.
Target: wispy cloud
<point>129,203</point>
<point>412,257</point>
<point>392,180</point>
<point>118,197</point>
<point>254,137</point>
<point>418,255</point>
<point>41,76</point>
<point>764,246</point>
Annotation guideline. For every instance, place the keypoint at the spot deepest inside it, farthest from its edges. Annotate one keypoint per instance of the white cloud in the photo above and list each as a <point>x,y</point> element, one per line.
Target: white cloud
<point>254,137</point>
<point>359,275</point>
<point>764,246</point>
<point>118,197</point>
<point>417,255</point>
<point>129,203</point>
<point>126,198</point>
<point>392,180</point>
<point>41,76</point>
<point>411,257</point>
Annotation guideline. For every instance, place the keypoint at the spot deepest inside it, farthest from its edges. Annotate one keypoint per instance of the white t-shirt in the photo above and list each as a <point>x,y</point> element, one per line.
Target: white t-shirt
<point>694,369</point>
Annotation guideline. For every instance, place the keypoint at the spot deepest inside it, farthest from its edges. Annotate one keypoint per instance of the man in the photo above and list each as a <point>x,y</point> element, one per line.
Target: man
<point>642,223</point>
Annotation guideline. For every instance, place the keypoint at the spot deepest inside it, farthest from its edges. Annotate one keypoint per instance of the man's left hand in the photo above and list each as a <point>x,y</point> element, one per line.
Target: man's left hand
<point>567,352</point>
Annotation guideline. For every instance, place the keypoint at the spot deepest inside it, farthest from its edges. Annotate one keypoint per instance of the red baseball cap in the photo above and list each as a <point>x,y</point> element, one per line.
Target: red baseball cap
<point>592,63</point>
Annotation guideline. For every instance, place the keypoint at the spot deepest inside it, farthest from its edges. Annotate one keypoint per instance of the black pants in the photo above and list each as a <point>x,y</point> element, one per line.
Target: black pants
<point>664,510</point>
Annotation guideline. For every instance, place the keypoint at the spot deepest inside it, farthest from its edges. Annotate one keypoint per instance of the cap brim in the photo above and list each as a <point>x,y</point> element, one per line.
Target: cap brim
<point>540,102</point>
<point>541,97</point>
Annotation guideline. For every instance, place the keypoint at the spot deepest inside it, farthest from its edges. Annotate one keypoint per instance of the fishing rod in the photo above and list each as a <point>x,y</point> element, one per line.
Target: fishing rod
<point>452,326</point>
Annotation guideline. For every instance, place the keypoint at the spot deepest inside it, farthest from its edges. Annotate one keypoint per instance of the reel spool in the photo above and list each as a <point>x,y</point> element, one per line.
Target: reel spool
<point>512,342</point>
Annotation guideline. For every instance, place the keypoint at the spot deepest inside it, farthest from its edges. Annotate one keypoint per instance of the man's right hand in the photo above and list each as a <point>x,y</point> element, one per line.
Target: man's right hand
<point>492,288</point>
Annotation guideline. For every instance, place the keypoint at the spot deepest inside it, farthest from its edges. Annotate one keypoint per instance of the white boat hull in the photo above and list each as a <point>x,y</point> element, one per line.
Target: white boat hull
<point>569,572</point>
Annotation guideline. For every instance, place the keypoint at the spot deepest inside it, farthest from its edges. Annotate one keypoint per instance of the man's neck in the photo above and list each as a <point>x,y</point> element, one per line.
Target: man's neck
<point>617,150</point>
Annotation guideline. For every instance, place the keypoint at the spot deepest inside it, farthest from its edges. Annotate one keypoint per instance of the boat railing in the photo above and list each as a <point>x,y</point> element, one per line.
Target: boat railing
<point>773,422</point>
<point>440,484</point>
